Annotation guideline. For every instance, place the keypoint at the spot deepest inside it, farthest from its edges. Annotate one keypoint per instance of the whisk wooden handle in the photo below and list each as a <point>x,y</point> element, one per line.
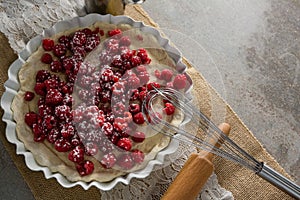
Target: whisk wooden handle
<point>194,174</point>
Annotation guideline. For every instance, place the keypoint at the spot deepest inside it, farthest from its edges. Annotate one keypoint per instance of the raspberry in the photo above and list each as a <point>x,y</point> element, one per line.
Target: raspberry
<point>151,86</point>
<point>134,108</point>
<point>45,110</point>
<point>42,75</point>
<point>51,83</point>
<point>91,149</point>
<point>137,156</point>
<point>46,58</point>
<point>108,160</point>
<point>40,89</point>
<point>124,41</point>
<point>166,75</point>
<point>179,81</point>
<point>79,51</point>
<point>169,109</point>
<point>53,97</point>
<point>53,135</point>
<point>125,161</point>
<point>133,81</point>
<point>139,118</point>
<point>84,168</point>
<point>107,128</point>
<point>87,31</point>
<point>38,134</point>
<point>64,39</point>
<point>28,96</point>
<point>114,32</point>
<point>31,118</point>
<point>144,77</point>
<point>79,39</point>
<point>142,53</point>
<point>47,44</point>
<point>62,145</point>
<point>59,50</point>
<point>125,144</point>
<point>92,42</point>
<point>62,112</point>
<point>138,137</point>
<point>56,66</point>
<point>135,61</point>
<point>77,154</point>
<point>49,122</point>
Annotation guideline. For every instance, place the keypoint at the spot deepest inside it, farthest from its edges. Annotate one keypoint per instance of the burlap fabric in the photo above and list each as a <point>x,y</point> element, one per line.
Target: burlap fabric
<point>240,181</point>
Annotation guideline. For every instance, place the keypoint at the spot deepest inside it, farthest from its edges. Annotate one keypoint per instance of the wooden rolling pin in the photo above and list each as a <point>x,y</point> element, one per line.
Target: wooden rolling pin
<point>194,174</point>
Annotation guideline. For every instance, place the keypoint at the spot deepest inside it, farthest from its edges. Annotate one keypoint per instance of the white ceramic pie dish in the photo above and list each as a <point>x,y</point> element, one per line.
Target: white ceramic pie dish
<point>12,87</point>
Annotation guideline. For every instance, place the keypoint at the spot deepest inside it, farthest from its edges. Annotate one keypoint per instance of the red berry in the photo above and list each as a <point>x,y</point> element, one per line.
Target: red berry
<point>135,61</point>
<point>38,134</point>
<point>79,39</point>
<point>137,156</point>
<point>49,122</point>
<point>134,108</point>
<point>139,118</point>
<point>91,149</point>
<point>51,83</point>
<point>125,143</point>
<point>62,112</point>
<point>40,89</point>
<point>108,160</point>
<point>125,161</point>
<point>31,118</point>
<point>56,66</point>
<point>166,75</point>
<point>53,97</point>
<point>151,86</point>
<point>84,168</point>
<point>68,130</point>
<point>138,137</point>
<point>62,145</point>
<point>169,109</point>
<point>179,81</point>
<point>46,58</point>
<point>125,41</point>
<point>59,50</point>
<point>77,154</point>
<point>42,75</point>
<point>64,39</point>
<point>53,135</point>
<point>92,42</point>
<point>114,32</point>
<point>47,44</point>
<point>28,96</point>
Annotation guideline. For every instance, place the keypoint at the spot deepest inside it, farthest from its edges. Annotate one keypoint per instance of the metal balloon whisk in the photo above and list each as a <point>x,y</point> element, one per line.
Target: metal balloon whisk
<point>198,121</point>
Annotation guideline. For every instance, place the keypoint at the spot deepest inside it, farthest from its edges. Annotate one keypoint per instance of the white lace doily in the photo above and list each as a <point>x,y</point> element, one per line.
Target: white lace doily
<point>21,20</point>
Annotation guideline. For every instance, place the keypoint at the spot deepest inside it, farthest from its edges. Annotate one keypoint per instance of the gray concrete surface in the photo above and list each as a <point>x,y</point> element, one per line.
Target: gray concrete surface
<point>253,50</point>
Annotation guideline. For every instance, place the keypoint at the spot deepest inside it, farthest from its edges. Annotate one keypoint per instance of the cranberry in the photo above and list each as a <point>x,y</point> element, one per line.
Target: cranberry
<point>42,75</point>
<point>59,50</point>
<point>84,168</point>
<point>125,161</point>
<point>139,118</point>
<point>54,97</point>
<point>56,66</point>
<point>53,135</point>
<point>31,118</point>
<point>108,160</point>
<point>179,81</point>
<point>137,156</point>
<point>47,44</point>
<point>77,154</point>
<point>79,39</point>
<point>169,109</point>
<point>125,143</point>
<point>28,96</point>
<point>62,145</point>
<point>138,137</point>
<point>46,58</point>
